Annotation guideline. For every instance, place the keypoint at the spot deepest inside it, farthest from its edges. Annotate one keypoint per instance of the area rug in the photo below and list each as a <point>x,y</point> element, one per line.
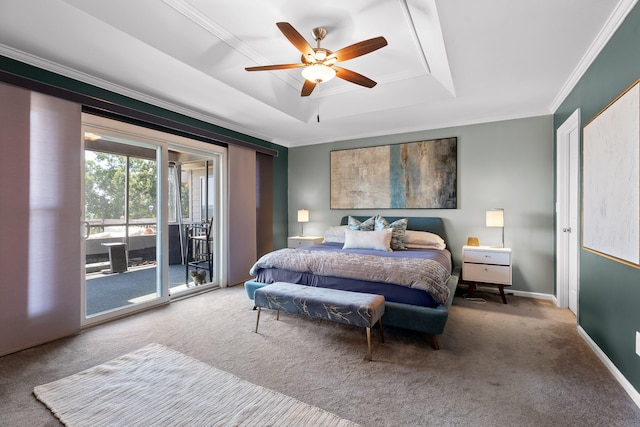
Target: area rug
<point>158,386</point>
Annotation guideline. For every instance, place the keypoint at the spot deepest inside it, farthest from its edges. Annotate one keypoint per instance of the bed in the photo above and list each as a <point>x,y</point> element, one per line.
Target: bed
<point>421,304</point>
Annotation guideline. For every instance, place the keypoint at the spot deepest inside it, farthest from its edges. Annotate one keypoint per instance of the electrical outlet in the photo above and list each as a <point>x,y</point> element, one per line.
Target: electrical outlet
<point>638,343</point>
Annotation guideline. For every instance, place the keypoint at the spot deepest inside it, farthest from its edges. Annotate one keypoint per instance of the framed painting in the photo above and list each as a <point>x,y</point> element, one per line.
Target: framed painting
<point>420,175</point>
<point>611,180</point>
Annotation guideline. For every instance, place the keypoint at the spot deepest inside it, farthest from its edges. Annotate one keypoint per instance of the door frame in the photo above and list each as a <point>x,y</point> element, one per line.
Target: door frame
<point>164,141</point>
<point>563,194</point>
<point>220,259</point>
<point>133,135</point>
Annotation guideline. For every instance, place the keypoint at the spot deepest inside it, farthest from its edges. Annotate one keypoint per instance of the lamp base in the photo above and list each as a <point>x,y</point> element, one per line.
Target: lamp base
<point>473,241</point>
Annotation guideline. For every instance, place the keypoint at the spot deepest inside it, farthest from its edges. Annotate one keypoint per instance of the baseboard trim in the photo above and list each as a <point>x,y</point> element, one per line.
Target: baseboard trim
<point>517,293</point>
<point>539,295</point>
<point>626,385</point>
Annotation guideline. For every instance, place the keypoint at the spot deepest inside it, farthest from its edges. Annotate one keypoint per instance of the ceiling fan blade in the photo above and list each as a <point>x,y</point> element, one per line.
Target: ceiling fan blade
<point>353,77</point>
<point>359,49</point>
<point>274,67</point>
<point>296,38</point>
<point>307,88</point>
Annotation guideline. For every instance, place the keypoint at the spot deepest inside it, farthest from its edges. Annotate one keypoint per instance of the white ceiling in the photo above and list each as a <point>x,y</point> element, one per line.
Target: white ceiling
<point>448,62</point>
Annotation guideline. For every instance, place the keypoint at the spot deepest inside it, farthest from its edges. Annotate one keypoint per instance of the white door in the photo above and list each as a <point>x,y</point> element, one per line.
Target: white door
<point>567,242</point>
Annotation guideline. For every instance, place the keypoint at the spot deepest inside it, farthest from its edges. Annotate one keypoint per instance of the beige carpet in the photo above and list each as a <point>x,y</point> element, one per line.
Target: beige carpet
<point>520,364</point>
<point>156,385</point>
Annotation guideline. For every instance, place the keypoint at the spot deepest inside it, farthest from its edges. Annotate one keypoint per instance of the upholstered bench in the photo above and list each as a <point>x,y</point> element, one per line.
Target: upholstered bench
<point>352,308</point>
<point>430,320</point>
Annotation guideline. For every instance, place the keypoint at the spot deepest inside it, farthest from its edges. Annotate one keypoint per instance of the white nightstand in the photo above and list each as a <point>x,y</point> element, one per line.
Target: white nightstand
<point>302,241</point>
<point>487,265</point>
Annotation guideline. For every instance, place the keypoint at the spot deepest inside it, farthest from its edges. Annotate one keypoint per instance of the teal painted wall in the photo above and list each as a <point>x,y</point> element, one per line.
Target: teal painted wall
<point>507,164</point>
<point>609,294</point>
<point>280,165</point>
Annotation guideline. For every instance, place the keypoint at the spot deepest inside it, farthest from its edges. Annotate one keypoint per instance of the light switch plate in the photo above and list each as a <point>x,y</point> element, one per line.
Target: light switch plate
<point>638,343</point>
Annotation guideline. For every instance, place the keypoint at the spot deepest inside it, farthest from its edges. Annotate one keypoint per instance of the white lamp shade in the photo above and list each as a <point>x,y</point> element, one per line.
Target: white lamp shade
<point>495,218</point>
<point>303,215</point>
<point>318,73</point>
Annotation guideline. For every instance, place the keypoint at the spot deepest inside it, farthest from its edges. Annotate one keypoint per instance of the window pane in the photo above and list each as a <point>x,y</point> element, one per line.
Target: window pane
<point>142,191</point>
<point>105,179</point>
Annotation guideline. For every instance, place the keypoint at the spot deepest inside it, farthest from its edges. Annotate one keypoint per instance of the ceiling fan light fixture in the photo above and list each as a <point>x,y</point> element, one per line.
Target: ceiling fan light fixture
<point>318,63</point>
<point>318,73</point>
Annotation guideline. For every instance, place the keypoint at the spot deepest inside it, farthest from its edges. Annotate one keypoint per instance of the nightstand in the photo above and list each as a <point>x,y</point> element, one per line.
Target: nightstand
<point>487,265</point>
<point>302,241</point>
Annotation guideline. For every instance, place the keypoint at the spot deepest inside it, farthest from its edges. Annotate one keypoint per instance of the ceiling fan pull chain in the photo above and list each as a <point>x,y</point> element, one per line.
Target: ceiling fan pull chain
<point>318,97</point>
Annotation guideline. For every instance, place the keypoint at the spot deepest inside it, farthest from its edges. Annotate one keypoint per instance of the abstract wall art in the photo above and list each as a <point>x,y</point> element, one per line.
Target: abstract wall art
<point>421,175</point>
<point>611,180</point>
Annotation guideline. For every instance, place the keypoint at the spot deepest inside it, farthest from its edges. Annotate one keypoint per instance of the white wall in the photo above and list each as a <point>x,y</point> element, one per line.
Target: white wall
<point>506,164</point>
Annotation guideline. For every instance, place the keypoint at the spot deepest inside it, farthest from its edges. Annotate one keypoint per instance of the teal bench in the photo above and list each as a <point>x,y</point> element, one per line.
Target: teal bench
<point>423,319</point>
<point>353,308</point>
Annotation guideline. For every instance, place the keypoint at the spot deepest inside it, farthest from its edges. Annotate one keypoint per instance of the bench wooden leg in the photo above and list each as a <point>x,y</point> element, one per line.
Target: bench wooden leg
<point>434,341</point>
<point>258,319</point>
<point>368,343</point>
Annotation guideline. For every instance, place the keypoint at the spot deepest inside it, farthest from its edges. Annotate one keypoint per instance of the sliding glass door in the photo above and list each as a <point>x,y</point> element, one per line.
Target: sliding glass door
<point>153,211</point>
<point>195,213</point>
<point>121,206</point>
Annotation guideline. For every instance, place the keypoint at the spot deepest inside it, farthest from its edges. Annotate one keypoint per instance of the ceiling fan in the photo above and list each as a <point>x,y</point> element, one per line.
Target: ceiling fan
<point>318,63</point>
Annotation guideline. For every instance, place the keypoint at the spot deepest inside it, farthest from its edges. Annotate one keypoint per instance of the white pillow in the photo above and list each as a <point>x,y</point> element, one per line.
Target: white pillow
<point>335,234</point>
<point>423,240</point>
<point>378,240</point>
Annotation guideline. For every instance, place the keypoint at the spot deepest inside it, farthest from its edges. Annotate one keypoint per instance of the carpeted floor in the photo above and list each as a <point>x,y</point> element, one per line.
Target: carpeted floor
<point>156,385</point>
<point>520,364</point>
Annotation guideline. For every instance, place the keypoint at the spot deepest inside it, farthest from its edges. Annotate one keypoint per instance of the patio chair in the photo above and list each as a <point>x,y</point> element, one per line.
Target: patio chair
<point>199,249</point>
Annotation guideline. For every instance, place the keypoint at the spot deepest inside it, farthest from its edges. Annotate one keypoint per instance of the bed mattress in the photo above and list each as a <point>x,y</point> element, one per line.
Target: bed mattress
<point>391,292</point>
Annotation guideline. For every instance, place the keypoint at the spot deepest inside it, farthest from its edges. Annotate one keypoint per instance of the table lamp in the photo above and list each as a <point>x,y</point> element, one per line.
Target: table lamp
<point>495,218</point>
<point>303,216</point>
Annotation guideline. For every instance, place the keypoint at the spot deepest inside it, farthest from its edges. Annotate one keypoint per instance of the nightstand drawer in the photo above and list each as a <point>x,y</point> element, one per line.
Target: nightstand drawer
<point>486,273</point>
<point>486,257</point>
<point>302,241</point>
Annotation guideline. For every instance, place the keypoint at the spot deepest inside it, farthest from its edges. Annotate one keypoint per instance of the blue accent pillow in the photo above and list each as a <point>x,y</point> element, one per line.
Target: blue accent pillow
<point>367,225</point>
<point>399,228</point>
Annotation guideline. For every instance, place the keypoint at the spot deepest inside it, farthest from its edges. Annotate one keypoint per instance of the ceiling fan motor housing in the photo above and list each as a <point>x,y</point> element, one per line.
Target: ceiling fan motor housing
<point>318,34</point>
<point>321,54</point>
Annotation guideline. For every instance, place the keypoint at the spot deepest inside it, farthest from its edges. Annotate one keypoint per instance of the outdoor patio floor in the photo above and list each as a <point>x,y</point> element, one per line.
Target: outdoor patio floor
<point>108,291</point>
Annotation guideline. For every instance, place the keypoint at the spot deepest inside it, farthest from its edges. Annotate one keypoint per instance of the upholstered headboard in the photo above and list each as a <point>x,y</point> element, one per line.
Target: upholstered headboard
<point>419,223</point>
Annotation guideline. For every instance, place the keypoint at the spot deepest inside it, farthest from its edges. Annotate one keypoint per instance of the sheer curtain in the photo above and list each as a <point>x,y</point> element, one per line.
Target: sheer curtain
<point>40,235</point>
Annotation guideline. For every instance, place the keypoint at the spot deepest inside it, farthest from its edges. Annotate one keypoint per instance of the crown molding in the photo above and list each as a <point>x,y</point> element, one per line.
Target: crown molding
<point>80,76</point>
<point>616,18</point>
